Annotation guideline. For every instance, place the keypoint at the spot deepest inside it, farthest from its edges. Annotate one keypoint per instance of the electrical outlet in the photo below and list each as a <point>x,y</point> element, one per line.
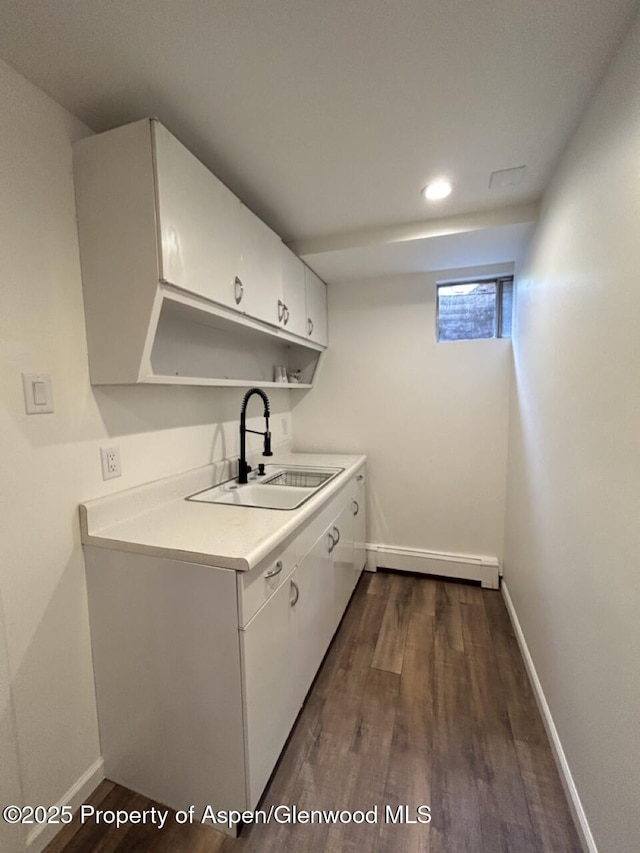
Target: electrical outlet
<point>110,462</point>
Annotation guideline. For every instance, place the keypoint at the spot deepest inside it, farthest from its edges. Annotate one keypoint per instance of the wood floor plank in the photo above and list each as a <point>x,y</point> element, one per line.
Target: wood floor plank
<point>408,781</point>
<point>448,620</point>
<point>389,651</point>
<point>379,583</point>
<point>455,807</point>
<point>449,721</point>
<point>521,703</point>
<point>367,760</point>
<point>548,809</point>
<point>502,800</point>
<point>475,629</point>
<point>471,593</point>
<point>63,838</point>
<point>424,595</point>
<point>547,803</point>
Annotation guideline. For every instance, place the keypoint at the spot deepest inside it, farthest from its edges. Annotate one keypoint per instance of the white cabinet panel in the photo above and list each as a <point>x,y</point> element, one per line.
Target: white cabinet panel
<point>316,296</point>
<point>199,223</point>
<point>315,617</point>
<point>268,653</point>
<point>294,317</point>
<point>360,528</point>
<point>168,677</point>
<point>260,268</point>
<point>343,560</point>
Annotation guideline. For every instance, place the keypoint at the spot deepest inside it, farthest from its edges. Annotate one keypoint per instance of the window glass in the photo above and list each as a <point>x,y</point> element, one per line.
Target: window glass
<point>474,310</point>
<point>467,311</point>
<point>506,308</point>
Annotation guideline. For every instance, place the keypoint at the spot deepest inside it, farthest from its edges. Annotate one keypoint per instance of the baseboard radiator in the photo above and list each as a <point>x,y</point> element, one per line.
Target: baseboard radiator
<point>461,566</point>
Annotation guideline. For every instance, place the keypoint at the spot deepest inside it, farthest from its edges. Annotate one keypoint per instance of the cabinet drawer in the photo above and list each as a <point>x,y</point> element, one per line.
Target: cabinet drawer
<point>258,585</point>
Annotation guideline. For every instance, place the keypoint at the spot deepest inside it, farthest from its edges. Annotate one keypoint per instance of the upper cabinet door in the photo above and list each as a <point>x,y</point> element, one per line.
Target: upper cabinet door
<point>316,294</point>
<point>260,268</point>
<point>199,223</point>
<point>292,310</point>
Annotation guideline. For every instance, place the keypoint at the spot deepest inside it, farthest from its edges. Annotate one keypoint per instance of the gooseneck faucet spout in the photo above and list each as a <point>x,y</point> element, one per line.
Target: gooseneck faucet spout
<point>243,468</point>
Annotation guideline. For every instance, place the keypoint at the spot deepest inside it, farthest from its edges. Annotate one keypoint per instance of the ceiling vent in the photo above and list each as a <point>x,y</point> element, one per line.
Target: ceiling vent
<point>506,178</point>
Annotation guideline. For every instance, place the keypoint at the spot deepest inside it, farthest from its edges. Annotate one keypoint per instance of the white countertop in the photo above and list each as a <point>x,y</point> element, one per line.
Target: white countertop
<point>156,519</point>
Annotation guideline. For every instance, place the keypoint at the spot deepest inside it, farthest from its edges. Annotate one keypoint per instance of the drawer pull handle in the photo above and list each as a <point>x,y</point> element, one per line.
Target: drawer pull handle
<point>356,507</point>
<point>332,542</point>
<point>275,571</point>
<point>296,590</point>
<point>337,532</point>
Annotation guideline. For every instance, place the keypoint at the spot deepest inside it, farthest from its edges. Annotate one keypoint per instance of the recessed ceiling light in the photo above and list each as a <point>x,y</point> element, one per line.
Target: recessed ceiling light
<point>437,190</point>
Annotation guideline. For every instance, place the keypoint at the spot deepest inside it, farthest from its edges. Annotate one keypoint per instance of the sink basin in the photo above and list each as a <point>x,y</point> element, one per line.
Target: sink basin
<point>261,495</point>
<point>280,488</point>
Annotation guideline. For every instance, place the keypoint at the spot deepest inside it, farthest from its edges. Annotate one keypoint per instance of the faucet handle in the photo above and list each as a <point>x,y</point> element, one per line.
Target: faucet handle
<point>243,470</point>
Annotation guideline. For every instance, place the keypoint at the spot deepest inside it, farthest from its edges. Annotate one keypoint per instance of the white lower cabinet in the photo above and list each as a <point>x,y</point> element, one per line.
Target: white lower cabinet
<point>359,526</point>
<point>342,554</point>
<point>268,649</point>
<point>315,617</point>
<point>200,672</point>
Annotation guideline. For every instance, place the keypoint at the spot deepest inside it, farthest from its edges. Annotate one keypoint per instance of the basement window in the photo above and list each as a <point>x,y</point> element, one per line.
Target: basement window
<point>474,310</point>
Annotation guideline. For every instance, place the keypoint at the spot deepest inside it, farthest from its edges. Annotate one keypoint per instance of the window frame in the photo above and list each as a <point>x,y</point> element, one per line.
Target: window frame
<point>499,281</point>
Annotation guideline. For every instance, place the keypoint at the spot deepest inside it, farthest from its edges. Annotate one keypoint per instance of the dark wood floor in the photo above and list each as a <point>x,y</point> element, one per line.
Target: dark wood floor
<point>423,698</point>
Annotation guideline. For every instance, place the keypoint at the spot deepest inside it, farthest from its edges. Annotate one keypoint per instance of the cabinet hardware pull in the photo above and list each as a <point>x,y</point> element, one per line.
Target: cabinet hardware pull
<point>281,307</point>
<point>239,290</point>
<point>310,325</point>
<point>356,507</point>
<point>295,588</point>
<point>275,571</point>
<point>332,542</point>
<point>337,535</point>
<point>286,315</point>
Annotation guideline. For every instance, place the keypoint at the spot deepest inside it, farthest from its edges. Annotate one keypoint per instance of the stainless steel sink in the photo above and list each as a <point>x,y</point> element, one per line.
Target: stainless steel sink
<point>281,487</point>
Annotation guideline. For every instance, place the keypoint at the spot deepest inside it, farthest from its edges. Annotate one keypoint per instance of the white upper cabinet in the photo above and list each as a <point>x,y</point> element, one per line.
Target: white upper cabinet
<point>292,306</point>
<point>259,269</point>
<point>316,295</point>
<point>176,269</point>
<point>199,221</point>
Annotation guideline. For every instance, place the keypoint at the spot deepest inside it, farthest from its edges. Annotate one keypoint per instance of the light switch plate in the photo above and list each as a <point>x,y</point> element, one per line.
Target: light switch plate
<point>38,393</point>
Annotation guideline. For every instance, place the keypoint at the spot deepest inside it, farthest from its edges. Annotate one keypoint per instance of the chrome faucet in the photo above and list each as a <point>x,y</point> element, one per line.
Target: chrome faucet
<point>243,468</point>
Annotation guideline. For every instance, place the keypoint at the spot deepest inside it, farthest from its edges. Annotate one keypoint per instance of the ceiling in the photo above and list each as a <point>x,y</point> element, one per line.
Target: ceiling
<point>329,116</point>
<point>483,247</point>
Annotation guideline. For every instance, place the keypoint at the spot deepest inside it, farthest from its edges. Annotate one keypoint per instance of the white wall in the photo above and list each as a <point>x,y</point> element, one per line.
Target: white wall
<point>573,508</point>
<point>50,463</point>
<point>432,418</point>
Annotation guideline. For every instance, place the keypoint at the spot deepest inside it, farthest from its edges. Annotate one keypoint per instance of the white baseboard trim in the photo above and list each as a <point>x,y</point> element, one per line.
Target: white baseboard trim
<point>577,811</point>
<point>461,566</point>
<point>77,794</point>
